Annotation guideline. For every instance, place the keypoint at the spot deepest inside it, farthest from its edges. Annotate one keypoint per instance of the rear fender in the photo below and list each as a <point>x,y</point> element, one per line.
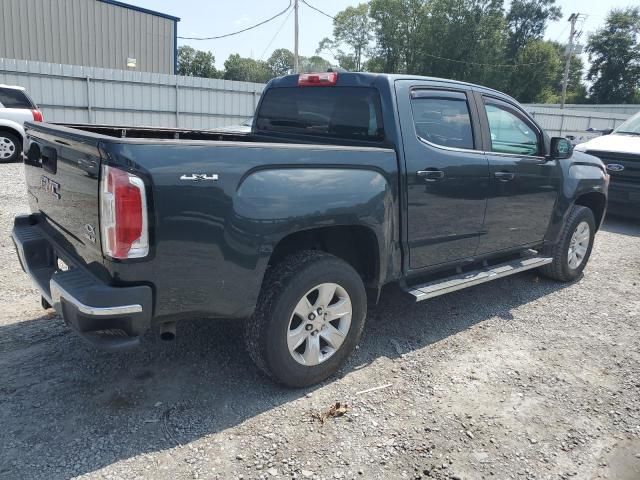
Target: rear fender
<point>273,203</point>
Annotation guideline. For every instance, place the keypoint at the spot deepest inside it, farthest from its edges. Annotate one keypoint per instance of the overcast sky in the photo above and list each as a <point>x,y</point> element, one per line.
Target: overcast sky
<point>216,17</point>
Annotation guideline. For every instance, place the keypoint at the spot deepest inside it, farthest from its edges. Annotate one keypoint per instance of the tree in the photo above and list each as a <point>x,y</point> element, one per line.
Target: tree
<point>614,53</point>
<point>399,27</point>
<point>536,80</point>
<point>246,69</point>
<point>461,39</point>
<point>527,20</point>
<point>314,63</point>
<point>196,63</point>
<point>351,29</point>
<point>280,62</point>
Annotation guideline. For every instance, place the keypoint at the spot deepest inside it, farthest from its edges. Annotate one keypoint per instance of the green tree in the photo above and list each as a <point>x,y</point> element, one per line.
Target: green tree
<point>536,80</point>
<point>614,53</point>
<point>196,63</point>
<point>314,63</point>
<point>462,39</point>
<point>351,30</point>
<point>246,69</point>
<point>527,20</point>
<point>280,62</point>
<point>399,28</point>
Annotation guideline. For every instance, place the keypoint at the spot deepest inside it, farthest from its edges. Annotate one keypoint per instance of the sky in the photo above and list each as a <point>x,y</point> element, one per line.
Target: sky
<point>217,17</point>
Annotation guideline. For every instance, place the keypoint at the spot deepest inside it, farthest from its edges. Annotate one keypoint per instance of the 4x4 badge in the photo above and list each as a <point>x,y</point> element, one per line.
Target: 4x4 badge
<point>199,177</point>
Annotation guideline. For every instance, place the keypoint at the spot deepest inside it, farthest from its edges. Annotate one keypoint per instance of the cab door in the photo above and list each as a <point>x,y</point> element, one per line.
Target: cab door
<point>447,174</point>
<point>524,184</point>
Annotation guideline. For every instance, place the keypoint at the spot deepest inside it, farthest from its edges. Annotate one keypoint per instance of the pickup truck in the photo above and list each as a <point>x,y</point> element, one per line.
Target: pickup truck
<point>346,182</point>
<point>619,150</point>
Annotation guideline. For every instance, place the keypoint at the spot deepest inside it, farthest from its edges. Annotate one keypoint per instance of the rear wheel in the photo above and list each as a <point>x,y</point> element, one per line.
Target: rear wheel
<point>10,147</point>
<point>572,251</point>
<point>308,320</point>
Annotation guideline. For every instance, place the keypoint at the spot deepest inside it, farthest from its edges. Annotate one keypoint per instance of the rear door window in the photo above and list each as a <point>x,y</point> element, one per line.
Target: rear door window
<point>12,98</point>
<point>442,118</point>
<point>351,113</point>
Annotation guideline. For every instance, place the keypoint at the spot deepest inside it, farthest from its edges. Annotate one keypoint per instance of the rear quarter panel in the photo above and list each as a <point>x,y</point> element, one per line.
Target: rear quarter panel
<point>211,240</point>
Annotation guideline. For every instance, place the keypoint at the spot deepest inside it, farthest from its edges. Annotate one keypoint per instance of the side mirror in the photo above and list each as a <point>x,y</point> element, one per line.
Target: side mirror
<point>560,148</point>
<point>607,131</point>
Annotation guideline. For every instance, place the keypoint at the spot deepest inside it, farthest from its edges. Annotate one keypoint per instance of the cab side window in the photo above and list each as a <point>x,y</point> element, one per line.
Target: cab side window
<point>509,132</point>
<point>442,118</point>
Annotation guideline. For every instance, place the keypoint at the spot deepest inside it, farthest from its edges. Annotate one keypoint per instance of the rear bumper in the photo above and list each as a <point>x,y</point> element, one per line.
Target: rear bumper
<point>624,199</point>
<point>108,317</point>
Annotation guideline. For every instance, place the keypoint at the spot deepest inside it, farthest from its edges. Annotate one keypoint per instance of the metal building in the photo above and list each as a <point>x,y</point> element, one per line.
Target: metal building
<point>92,33</point>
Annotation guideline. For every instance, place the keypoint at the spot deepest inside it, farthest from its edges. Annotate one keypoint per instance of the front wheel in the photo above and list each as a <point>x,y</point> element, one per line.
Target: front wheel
<point>308,320</point>
<point>573,249</point>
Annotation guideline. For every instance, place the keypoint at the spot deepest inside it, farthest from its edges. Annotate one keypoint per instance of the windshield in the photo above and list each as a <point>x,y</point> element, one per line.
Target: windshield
<point>632,125</point>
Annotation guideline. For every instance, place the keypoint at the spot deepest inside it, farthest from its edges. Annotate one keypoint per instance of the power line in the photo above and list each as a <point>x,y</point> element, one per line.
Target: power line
<point>318,10</point>
<point>243,30</point>
<point>276,34</point>
<point>498,65</point>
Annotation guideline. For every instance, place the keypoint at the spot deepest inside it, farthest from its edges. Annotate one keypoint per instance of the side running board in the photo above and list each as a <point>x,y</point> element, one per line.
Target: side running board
<point>475,277</point>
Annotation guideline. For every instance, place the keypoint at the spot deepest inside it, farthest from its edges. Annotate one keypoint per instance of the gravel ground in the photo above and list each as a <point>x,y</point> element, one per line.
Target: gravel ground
<point>520,378</point>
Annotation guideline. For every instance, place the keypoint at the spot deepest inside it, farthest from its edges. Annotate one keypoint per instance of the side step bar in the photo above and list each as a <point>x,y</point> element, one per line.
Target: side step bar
<point>475,277</point>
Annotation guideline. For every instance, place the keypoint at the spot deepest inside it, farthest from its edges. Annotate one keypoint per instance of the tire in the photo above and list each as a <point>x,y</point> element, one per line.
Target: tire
<point>10,147</point>
<point>567,251</point>
<point>274,329</point>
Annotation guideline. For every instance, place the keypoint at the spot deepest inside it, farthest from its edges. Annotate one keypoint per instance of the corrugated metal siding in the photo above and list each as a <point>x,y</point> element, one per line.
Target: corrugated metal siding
<point>74,94</point>
<point>86,32</point>
<point>622,108</point>
<point>560,123</point>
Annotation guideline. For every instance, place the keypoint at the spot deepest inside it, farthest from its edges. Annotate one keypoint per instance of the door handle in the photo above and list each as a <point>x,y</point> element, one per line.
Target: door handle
<point>431,175</point>
<point>504,176</point>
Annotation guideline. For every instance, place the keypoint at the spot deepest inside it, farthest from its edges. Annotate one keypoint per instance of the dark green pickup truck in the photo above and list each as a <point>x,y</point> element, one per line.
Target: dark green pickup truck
<point>346,182</point>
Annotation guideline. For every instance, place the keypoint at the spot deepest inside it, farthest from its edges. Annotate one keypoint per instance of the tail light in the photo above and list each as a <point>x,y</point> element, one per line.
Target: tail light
<point>317,79</point>
<point>37,116</point>
<point>124,227</point>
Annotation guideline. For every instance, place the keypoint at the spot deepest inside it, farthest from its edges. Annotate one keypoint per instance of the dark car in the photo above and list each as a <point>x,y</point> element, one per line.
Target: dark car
<point>347,181</point>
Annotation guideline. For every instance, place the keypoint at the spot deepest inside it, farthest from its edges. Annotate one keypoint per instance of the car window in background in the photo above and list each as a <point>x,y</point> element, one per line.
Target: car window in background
<point>509,133</point>
<point>444,121</point>
<point>352,113</point>
<point>13,98</point>
<point>630,126</point>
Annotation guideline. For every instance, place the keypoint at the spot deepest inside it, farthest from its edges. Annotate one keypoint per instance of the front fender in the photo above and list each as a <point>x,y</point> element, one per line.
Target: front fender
<point>582,174</point>
<point>272,203</point>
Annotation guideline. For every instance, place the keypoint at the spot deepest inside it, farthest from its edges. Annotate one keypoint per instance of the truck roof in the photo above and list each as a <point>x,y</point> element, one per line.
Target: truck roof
<point>367,79</point>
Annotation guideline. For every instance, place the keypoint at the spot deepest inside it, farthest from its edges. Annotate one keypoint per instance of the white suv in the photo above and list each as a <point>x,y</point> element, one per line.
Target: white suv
<point>15,108</point>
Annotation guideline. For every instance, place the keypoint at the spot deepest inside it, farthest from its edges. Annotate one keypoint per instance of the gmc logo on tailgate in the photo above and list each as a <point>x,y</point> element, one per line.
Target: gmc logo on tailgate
<point>51,187</point>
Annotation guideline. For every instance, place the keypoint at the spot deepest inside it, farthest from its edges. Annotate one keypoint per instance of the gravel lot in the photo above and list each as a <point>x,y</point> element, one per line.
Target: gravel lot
<point>520,378</point>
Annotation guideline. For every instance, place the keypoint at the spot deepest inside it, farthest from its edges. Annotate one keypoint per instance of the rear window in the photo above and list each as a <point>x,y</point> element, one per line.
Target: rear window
<point>341,112</point>
<point>12,98</point>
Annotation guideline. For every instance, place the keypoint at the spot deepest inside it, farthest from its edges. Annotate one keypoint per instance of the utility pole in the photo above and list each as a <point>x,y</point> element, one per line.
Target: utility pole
<point>295,46</point>
<point>573,19</point>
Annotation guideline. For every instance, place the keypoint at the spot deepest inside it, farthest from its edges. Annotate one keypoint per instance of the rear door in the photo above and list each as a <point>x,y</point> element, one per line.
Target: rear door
<point>447,172</point>
<point>524,185</point>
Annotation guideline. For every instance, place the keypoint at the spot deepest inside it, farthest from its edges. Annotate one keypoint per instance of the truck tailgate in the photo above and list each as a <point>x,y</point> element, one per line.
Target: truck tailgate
<point>62,175</point>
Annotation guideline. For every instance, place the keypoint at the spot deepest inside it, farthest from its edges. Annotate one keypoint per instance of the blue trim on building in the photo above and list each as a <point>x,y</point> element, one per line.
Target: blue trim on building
<point>140,9</point>
<point>175,48</point>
